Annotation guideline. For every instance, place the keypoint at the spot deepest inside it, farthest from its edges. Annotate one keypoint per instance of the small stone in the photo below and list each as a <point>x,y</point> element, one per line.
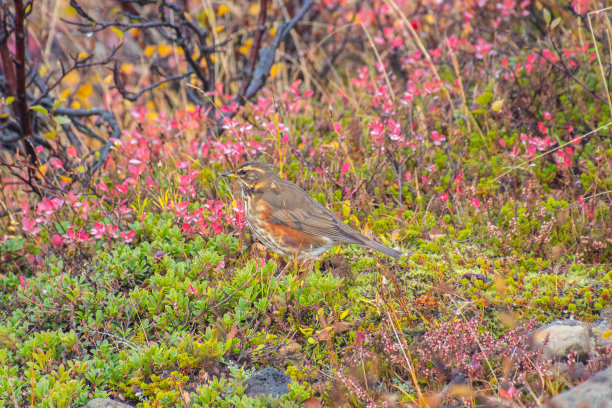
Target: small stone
<point>267,381</point>
<point>595,392</point>
<point>105,403</point>
<point>564,336</point>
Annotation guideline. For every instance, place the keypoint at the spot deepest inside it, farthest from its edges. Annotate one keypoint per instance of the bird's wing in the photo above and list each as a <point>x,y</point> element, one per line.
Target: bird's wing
<point>294,208</point>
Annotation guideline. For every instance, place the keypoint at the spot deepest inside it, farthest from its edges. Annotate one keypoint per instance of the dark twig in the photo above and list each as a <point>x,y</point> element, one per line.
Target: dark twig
<point>21,108</point>
<point>133,96</point>
<point>109,118</point>
<point>261,28</point>
<point>262,71</point>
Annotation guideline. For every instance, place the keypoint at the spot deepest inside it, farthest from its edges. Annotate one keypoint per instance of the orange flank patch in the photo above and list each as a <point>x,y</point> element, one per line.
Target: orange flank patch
<point>286,237</point>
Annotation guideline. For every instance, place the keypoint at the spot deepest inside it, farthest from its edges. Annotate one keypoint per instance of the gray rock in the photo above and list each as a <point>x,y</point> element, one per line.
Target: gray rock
<point>604,325</point>
<point>606,313</point>
<point>563,336</point>
<point>596,392</point>
<point>105,403</point>
<point>267,381</point>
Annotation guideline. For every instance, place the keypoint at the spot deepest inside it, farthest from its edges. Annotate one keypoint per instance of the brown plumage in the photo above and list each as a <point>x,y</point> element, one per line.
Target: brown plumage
<point>288,221</point>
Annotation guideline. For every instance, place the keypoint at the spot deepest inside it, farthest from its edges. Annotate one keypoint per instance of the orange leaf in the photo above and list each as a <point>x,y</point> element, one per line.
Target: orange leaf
<point>150,50</point>
<point>164,50</point>
<point>85,91</point>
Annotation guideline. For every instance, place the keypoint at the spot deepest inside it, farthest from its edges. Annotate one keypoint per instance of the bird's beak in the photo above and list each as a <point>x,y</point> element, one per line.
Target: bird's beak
<point>229,174</point>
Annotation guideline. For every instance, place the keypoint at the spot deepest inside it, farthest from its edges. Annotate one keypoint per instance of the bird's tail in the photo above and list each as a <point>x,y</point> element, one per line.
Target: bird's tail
<point>382,248</point>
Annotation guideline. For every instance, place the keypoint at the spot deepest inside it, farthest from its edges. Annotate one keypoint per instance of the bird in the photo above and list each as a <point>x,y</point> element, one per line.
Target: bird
<point>286,220</point>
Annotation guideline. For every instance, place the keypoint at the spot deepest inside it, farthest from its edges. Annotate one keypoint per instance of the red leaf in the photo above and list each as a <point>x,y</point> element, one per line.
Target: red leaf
<point>504,394</point>
<point>71,151</point>
<point>345,167</point>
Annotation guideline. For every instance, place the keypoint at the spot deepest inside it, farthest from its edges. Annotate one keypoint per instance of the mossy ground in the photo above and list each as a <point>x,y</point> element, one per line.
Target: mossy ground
<point>482,164</point>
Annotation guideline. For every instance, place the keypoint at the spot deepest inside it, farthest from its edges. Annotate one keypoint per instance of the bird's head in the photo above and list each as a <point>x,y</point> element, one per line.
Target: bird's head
<point>252,175</point>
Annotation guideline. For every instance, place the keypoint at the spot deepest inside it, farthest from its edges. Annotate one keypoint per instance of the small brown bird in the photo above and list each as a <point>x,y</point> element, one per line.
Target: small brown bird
<point>288,221</point>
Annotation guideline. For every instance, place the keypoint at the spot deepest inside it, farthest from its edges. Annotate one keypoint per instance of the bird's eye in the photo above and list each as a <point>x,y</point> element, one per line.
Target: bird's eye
<point>242,172</point>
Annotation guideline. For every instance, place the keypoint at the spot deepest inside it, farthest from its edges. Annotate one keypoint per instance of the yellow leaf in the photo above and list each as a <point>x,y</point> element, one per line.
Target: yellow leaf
<point>149,50</point>
<point>81,169</point>
<point>127,68</point>
<point>70,11</point>
<point>497,105</point>
<point>76,105</point>
<point>85,91</point>
<point>118,32</point>
<point>50,135</point>
<point>43,169</point>
<point>9,100</point>
<point>247,46</point>
<point>65,93</point>
<point>607,334</point>
<point>72,78</point>
<point>219,29</point>
<point>108,79</point>
<point>272,31</point>
<point>222,10</point>
<point>430,19</point>
<point>66,178</point>
<point>254,9</point>
<point>164,50</point>
<point>275,70</point>
<point>82,55</point>
<point>43,71</point>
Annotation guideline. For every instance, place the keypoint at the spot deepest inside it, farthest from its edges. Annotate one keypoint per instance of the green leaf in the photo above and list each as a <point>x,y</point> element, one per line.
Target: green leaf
<point>39,109</point>
<point>497,105</point>
<point>118,32</point>
<point>57,103</point>
<point>547,16</point>
<point>61,120</point>
<point>479,111</point>
<point>484,99</point>
<point>555,23</point>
